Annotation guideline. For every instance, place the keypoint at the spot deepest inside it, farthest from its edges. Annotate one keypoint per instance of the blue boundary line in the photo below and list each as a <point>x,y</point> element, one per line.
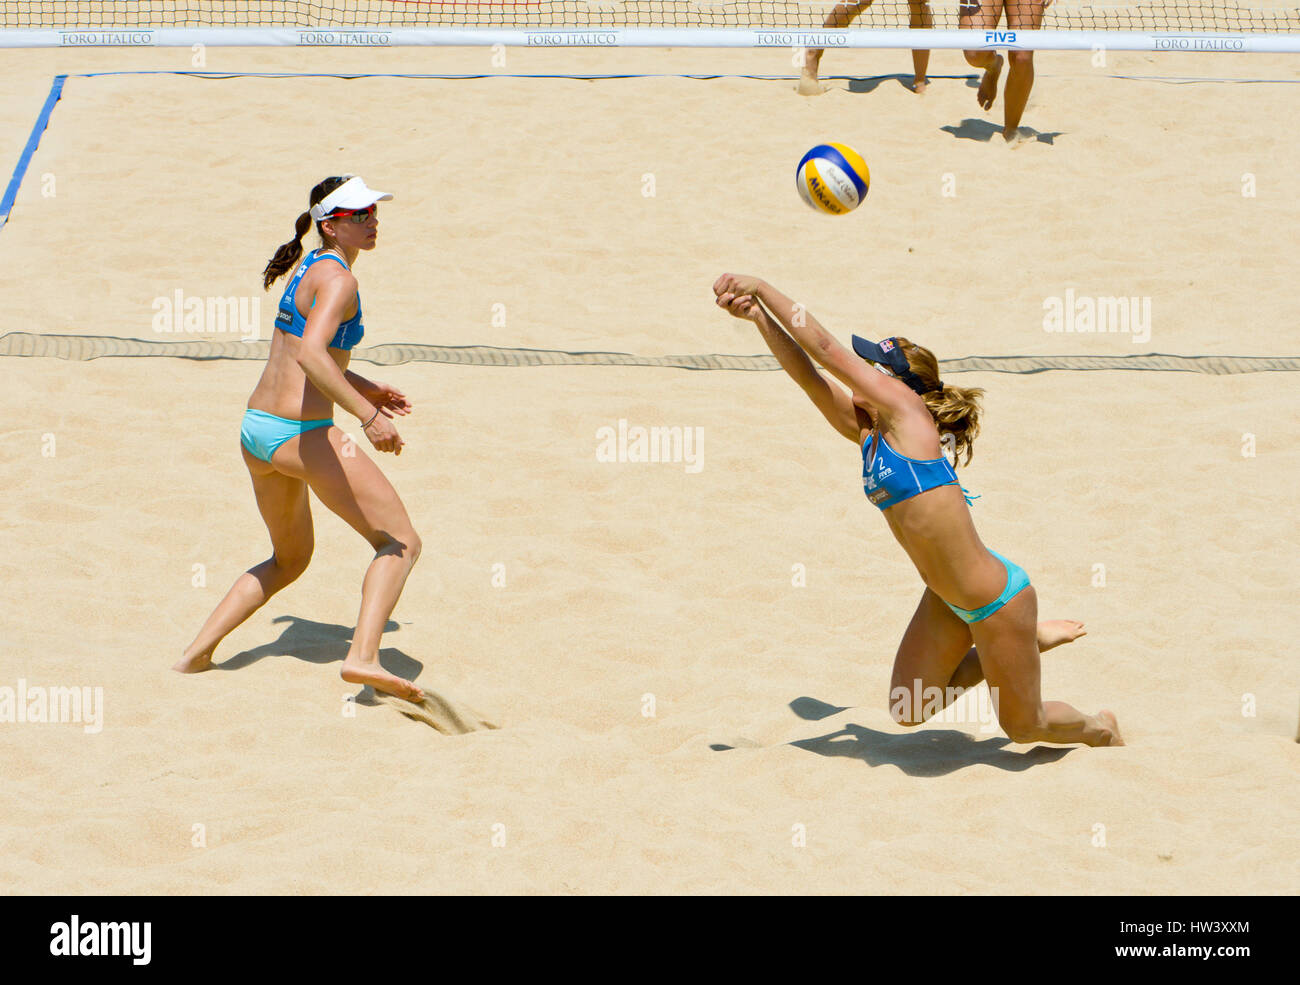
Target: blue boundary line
<point>24,159</point>
<point>583,76</point>
<point>586,76</point>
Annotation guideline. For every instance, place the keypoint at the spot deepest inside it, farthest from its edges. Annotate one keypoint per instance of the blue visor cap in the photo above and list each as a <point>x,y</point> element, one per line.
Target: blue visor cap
<point>887,353</point>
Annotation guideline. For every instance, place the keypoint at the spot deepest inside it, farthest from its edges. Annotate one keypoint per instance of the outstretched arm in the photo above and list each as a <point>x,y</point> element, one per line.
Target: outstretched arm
<point>835,405</point>
<point>846,366</point>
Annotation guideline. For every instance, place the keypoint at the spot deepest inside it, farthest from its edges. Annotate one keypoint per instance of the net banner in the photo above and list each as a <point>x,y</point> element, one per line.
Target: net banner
<point>1174,25</point>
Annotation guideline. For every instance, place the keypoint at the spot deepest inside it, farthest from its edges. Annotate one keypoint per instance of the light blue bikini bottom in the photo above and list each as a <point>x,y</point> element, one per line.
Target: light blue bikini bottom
<point>262,433</point>
<point>1017,581</point>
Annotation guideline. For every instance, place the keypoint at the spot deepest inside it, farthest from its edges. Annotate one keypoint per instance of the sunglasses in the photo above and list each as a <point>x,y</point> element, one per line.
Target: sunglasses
<point>358,216</point>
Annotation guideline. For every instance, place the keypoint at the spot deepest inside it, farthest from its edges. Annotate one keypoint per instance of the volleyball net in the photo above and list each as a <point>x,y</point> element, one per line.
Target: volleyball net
<point>1149,25</point>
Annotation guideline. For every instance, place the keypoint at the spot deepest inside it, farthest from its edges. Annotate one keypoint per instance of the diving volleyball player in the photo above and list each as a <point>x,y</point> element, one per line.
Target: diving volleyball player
<point>978,617</point>
<point>289,441</point>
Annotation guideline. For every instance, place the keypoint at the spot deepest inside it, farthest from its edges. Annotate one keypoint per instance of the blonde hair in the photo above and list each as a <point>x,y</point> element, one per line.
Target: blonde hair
<point>955,409</point>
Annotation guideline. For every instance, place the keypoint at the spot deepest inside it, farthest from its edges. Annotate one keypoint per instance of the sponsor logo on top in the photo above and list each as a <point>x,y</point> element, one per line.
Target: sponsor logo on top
<point>86,39</point>
<point>373,39</point>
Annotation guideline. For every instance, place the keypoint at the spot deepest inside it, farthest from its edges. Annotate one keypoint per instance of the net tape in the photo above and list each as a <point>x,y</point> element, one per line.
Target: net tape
<point>86,347</point>
<point>1126,15</point>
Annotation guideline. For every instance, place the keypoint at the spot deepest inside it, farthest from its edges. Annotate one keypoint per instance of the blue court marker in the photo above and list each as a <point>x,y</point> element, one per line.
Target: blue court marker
<point>38,128</point>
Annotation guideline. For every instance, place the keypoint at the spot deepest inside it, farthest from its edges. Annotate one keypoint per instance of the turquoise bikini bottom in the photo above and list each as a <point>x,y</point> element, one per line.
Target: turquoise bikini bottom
<point>1017,581</point>
<point>262,433</point>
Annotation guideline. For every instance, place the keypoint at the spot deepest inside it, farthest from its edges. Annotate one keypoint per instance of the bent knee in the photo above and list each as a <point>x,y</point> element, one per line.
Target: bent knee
<point>405,544</point>
<point>1021,59</point>
<point>904,709</point>
<point>291,566</point>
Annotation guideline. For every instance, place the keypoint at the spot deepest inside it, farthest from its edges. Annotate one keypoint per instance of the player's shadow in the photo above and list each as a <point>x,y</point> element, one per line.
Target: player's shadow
<point>925,752</point>
<point>812,710</point>
<point>320,643</point>
<point>986,130</point>
<point>872,83</point>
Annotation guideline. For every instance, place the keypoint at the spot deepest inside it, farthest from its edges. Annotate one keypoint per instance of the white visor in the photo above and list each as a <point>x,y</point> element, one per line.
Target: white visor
<point>352,194</point>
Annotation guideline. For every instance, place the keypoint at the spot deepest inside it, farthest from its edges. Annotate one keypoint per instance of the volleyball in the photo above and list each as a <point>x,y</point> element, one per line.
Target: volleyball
<point>832,178</point>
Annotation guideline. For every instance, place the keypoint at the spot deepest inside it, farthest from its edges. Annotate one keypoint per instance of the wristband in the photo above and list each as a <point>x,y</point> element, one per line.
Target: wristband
<point>371,421</point>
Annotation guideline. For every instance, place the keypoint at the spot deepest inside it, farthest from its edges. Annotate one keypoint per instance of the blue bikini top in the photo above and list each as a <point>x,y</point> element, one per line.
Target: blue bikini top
<point>288,319</point>
<point>889,478</point>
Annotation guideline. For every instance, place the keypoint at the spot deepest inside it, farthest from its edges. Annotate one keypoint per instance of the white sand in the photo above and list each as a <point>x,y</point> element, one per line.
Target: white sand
<point>629,580</point>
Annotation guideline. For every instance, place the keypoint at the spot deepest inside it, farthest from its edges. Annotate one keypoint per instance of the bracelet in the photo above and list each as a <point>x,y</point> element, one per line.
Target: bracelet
<point>371,421</point>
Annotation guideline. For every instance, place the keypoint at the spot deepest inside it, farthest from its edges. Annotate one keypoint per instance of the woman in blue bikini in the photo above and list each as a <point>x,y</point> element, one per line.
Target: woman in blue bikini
<point>978,617</point>
<point>290,444</point>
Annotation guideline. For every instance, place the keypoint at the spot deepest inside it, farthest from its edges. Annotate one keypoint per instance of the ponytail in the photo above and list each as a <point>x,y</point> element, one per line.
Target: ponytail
<point>287,255</point>
<point>955,409</point>
<point>956,412</point>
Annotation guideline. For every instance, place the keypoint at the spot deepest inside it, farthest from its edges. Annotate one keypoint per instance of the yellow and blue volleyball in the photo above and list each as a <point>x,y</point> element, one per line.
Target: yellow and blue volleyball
<point>833,178</point>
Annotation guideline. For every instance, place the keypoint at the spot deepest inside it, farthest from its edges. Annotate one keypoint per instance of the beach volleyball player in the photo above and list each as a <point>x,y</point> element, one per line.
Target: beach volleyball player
<point>1022,15</point>
<point>978,617</point>
<point>290,444</point>
<point>972,15</point>
<point>844,14</point>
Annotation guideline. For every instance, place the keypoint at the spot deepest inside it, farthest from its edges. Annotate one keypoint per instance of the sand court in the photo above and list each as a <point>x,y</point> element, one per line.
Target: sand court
<point>686,661</point>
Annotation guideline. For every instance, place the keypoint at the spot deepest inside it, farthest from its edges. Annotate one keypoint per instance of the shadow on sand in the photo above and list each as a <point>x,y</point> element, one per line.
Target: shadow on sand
<point>924,752</point>
<point>322,643</point>
<point>873,82</point>
<point>986,130</point>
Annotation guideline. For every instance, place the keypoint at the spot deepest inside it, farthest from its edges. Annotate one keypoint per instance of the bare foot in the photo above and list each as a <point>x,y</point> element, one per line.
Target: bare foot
<point>194,664</point>
<point>809,84</point>
<point>1017,137</point>
<point>920,85</point>
<point>1054,632</point>
<point>1111,724</point>
<point>358,671</point>
<point>989,87</point>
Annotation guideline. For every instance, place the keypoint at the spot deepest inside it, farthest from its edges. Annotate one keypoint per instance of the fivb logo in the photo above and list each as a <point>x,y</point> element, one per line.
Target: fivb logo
<point>96,940</point>
<point>1088,314</point>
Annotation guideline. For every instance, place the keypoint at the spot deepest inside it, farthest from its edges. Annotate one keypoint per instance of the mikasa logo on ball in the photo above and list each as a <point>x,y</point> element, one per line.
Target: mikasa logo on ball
<point>818,190</point>
<point>832,178</point>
